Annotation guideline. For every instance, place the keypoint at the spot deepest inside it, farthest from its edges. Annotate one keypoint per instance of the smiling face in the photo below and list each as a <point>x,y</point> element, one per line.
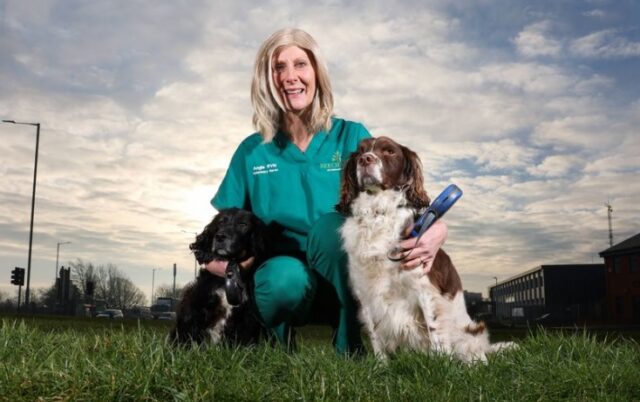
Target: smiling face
<point>294,78</point>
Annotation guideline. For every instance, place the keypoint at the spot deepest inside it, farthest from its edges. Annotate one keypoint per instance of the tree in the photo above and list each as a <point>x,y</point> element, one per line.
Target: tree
<point>47,297</point>
<point>83,272</point>
<point>111,285</point>
<point>6,304</point>
<point>116,289</point>
<point>48,300</point>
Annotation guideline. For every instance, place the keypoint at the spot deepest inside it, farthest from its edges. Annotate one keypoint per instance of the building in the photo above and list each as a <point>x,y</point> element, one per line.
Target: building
<point>622,262</point>
<point>552,295</point>
<point>478,308</point>
<point>473,302</point>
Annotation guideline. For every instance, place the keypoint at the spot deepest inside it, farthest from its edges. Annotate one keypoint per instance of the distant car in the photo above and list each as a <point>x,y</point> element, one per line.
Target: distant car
<point>167,315</point>
<point>111,313</point>
<point>138,312</point>
<point>164,305</point>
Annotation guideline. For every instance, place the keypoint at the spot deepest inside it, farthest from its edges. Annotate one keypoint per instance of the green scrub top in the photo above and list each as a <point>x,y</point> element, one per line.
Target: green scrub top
<point>281,184</point>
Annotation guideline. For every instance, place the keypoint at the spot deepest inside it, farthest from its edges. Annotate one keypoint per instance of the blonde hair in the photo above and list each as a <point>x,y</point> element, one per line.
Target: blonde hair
<point>267,105</point>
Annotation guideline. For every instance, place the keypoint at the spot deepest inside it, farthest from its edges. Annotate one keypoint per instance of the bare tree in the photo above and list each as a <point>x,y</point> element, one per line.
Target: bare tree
<point>111,285</point>
<point>83,272</point>
<point>117,290</point>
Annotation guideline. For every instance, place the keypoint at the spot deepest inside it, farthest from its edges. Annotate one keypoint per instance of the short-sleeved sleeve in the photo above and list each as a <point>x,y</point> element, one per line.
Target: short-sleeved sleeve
<point>358,133</point>
<point>233,189</point>
<point>362,132</point>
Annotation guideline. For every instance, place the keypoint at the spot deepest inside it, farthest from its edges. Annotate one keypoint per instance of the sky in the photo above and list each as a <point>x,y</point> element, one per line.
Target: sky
<point>531,107</point>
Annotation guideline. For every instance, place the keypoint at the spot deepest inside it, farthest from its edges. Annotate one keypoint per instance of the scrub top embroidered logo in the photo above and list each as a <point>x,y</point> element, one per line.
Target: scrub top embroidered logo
<point>265,169</point>
<point>335,164</point>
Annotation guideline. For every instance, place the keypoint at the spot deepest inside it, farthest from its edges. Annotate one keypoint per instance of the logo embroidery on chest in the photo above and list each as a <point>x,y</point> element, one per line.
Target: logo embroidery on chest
<point>265,169</point>
<point>334,165</point>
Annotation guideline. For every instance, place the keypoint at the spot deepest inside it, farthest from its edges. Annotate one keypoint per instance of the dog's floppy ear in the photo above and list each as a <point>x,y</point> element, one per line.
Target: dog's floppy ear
<point>202,246</point>
<point>348,184</point>
<point>416,195</point>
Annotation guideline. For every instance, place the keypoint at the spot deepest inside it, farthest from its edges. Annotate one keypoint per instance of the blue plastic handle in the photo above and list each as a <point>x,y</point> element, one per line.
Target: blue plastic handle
<point>438,207</point>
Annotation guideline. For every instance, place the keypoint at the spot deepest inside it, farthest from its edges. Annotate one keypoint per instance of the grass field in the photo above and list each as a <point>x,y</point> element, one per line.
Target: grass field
<point>91,360</point>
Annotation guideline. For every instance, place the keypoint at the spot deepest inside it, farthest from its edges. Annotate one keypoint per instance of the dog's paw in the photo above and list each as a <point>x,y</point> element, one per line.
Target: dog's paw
<point>502,346</point>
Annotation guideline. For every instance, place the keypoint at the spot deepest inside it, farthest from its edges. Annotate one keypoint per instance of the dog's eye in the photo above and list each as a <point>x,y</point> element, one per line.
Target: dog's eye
<point>389,151</point>
<point>242,225</point>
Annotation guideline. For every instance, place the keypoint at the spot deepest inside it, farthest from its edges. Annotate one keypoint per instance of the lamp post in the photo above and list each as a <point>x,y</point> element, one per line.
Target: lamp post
<point>153,282</point>
<point>27,292</point>
<point>496,278</point>
<point>195,260</point>
<point>55,272</point>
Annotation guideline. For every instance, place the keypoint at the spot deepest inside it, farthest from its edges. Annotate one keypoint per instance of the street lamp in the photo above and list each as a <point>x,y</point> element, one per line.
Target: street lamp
<point>33,204</point>
<point>55,272</point>
<point>496,278</point>
<point>153,282</point>
<point>195,260</point>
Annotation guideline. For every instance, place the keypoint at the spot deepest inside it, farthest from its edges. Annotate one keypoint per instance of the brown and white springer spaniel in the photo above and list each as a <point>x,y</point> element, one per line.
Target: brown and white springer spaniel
<point>382,194</point>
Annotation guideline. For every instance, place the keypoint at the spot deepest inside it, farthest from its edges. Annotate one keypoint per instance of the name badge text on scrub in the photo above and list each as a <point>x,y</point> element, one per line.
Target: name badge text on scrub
<point>265,169</point>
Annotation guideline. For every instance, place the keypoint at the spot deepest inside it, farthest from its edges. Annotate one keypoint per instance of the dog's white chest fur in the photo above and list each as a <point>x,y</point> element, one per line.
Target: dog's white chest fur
<point>216,332</point>
<point>389,296</point>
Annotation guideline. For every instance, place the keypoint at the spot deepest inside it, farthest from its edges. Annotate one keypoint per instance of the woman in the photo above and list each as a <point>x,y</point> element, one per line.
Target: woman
<point>288,173</point>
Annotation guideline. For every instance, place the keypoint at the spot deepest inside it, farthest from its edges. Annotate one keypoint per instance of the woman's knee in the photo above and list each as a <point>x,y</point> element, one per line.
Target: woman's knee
<point>284,289</point>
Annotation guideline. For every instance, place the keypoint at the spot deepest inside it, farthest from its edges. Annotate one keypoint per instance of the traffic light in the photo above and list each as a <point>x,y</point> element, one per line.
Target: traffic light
<point>63,284</point>
<point>17,276</point>
<point>89,288</point>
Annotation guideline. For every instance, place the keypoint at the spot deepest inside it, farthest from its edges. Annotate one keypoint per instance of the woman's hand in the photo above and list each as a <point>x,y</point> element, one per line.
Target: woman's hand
<point>218,267</point>
<point>424,252</point>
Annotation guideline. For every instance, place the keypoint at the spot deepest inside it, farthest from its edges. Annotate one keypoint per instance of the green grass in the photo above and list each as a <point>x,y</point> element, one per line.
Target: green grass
<point>86,360</point>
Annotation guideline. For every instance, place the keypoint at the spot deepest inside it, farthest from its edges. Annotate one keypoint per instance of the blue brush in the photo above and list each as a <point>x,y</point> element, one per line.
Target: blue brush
<point>435,211</point>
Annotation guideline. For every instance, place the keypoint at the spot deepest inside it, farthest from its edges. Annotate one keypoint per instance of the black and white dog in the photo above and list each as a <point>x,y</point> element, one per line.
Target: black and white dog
<point>205,313</point>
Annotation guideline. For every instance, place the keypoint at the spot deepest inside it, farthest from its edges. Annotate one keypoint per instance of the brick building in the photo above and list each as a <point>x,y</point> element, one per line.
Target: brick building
<point>622,262</point>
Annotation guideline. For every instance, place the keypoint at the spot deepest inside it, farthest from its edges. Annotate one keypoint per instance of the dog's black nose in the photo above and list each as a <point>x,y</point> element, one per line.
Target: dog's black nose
<point>220,237</point>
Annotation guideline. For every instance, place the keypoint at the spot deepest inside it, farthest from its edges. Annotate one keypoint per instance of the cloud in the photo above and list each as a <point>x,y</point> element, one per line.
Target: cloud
<point>582,130</point>
<point>622,158</point>
<point>606,44</point>
<point>533,40</point>
<point>531,78</point>
<point>557,166</point>
<point>97,48</point>
<point>596,13</point>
